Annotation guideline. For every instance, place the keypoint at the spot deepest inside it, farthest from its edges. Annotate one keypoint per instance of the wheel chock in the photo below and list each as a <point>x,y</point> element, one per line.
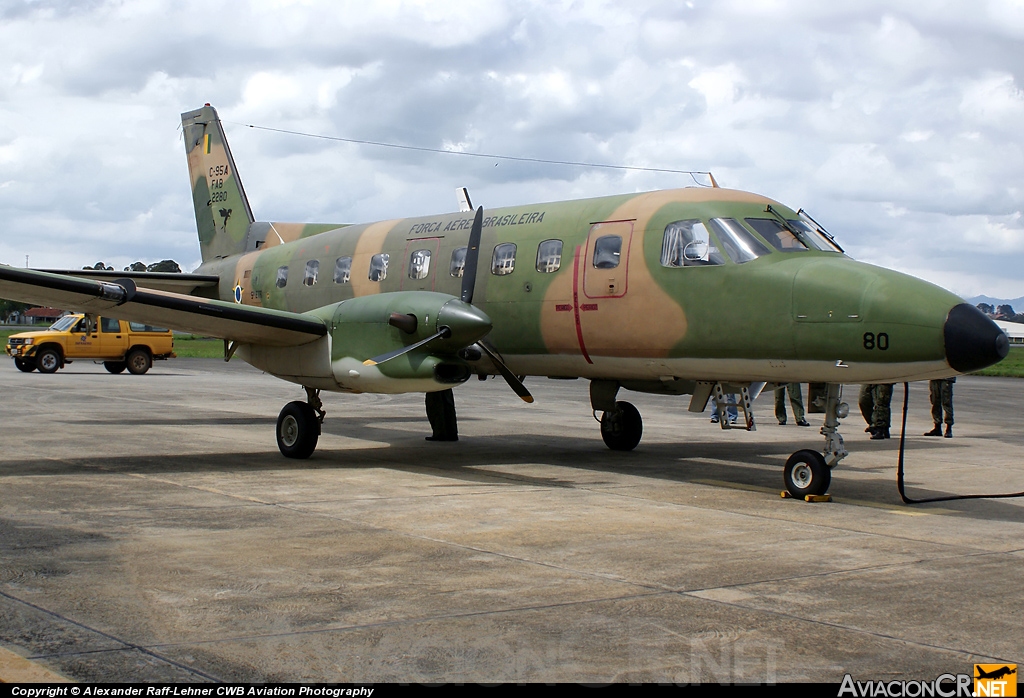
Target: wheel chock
<point>808,498</point>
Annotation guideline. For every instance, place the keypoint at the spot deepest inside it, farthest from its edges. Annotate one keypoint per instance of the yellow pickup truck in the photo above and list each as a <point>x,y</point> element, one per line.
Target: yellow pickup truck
<point>117,343</point>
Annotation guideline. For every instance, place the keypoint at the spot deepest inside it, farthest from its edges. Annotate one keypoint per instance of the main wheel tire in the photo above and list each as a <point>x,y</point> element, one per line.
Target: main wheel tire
<point>138,361</point>
<point>622,429</point>
<point>806,473</point>
<point>26,366</point>
<point>115,366</point>
<point>48,360</point>
<point>298,430</point>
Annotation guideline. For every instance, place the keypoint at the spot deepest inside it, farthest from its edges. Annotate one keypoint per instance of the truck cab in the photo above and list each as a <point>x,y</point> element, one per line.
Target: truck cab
<point>118,344</point>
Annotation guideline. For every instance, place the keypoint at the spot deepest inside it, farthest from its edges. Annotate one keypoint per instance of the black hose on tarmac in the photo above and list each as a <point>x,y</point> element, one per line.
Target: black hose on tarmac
<point>899,469</point>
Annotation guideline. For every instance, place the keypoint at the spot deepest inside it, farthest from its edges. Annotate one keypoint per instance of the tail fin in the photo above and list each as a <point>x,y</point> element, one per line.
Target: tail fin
<point>223,215</point>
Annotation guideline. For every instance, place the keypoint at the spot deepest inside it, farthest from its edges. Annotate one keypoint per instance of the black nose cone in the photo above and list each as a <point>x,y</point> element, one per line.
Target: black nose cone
<point>972,340</point>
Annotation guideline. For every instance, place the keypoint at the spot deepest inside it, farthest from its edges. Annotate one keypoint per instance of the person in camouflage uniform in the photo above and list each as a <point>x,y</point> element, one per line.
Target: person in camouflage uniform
<point>942,403</point>
<point>796,398</point>
<point>875,405</point>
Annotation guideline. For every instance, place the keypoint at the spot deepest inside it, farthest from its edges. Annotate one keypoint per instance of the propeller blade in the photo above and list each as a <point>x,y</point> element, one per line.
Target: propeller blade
<point>472,255</point>
<point>443,332</point>
<point>510,378</point>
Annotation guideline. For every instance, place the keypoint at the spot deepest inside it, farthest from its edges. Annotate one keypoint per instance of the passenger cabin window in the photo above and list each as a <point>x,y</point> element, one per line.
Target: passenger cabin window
<point>607,251</point>
<point>503,261</point>
<point>379,266</point>
<point>419,264</point>
<point>312,271</point>
<point>549,256</point>
<point>342,270</point>
<point>109,324</point>
<point>689,244</point>
<point>458,264</point>
<point>738,242</point>
<point>282,277</point>
<point>777,235</point>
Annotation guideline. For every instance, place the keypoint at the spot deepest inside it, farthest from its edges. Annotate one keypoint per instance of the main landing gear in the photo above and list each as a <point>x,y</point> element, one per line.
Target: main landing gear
<point>299,425</point>
<point>621,423</point>
<point>809,472</point>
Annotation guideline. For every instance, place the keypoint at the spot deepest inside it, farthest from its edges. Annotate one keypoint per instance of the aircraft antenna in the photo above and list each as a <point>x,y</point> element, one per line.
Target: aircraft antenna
<point>493,156</point>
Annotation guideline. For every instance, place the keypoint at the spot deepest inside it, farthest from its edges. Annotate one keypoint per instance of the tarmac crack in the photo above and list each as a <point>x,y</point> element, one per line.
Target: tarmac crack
<point>127,646</point>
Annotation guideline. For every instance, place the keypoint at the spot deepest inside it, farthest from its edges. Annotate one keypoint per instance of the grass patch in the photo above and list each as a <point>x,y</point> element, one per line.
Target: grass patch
<point>189,346</point>
<point>1012,366</point>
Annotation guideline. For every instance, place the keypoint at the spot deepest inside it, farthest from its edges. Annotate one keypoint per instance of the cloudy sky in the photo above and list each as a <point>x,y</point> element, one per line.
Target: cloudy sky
<point>899,126</point>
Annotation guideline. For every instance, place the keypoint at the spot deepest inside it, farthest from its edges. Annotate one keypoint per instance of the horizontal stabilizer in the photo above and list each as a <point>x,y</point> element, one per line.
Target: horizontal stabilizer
<point>157,280</point>
<point>123,300</point>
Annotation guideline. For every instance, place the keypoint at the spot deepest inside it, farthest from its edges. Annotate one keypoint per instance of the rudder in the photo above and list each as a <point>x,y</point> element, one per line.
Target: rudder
<point>223,215</point>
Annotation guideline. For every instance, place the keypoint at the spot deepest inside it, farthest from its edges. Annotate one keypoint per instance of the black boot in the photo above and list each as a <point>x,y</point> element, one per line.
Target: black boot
<point>880,433</point>
<point>937,431</point>
<point>949,431</point>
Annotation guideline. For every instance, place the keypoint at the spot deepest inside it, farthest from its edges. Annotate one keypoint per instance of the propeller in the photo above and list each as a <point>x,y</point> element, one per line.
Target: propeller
<point>408,323</point>
<point>472,255</point>
<point>469,286</point>
<point>510,378</point>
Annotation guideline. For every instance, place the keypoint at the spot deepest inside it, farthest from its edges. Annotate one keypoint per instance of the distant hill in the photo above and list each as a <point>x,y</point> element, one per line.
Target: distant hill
<point>1017,303</point>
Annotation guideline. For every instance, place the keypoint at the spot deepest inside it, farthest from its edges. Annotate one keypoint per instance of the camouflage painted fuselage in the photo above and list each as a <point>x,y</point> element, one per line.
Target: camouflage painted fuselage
<point>788,315</point>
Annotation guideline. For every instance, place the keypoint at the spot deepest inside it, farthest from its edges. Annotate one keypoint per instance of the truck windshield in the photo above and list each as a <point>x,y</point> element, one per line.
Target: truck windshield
<point>64,323</point>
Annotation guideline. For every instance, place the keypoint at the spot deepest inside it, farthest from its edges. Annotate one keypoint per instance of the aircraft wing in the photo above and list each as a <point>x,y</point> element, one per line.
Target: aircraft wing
<point>124,301</point>
<point>157,280</point>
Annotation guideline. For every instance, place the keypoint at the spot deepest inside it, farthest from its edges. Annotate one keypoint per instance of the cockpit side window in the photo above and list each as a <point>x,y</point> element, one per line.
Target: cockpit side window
<point>688,244</point>
<point>282,277</point>
<point>737,241</point>
<point>777,235</point>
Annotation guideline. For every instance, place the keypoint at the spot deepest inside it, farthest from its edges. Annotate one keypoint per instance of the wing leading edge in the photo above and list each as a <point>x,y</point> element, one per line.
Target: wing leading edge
<point>125,301</point>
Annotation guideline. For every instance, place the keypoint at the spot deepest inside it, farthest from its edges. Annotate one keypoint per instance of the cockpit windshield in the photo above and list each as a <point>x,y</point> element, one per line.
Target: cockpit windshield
<point>739,244</point>
<point>778,235</point>
<point>815,234</point>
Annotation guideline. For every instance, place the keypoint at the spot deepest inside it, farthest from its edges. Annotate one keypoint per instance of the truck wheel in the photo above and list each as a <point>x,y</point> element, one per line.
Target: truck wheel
<point>26,366</point>
<point>48,360</point>
<point>138,361</point>
<point>115,366</point>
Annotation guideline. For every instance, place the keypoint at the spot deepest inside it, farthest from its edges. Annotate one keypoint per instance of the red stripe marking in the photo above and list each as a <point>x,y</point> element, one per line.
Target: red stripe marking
<point>576,303</point>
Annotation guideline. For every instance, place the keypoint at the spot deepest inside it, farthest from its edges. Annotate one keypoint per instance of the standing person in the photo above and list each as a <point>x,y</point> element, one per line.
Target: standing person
<point>866,402</point>
<point>882,411</point>
<point>441,413</point>
<point>942,402</point>
<point>796,398</point>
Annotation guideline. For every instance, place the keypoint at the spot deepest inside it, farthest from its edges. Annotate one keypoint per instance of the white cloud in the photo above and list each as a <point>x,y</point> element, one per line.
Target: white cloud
<point>896,123</point>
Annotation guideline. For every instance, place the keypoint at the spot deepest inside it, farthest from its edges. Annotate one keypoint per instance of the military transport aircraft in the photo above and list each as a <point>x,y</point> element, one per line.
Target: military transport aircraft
<point>703,291</point>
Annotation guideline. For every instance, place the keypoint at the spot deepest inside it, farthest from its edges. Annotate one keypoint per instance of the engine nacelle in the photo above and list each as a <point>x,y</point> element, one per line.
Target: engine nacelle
<point>372,326</point>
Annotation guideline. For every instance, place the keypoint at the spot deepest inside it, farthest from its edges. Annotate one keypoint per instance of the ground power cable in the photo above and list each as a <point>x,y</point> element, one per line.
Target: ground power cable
<point>899,469</point>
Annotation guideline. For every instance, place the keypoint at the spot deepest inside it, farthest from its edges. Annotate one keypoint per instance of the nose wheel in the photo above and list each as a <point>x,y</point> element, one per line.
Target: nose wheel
<point>806,473</point>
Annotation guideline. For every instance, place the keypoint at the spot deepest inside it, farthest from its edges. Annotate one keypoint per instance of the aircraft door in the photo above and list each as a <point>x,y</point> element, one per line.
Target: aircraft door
<point>421,260</point>
<point>601,286</point>
<point>607,259</point>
